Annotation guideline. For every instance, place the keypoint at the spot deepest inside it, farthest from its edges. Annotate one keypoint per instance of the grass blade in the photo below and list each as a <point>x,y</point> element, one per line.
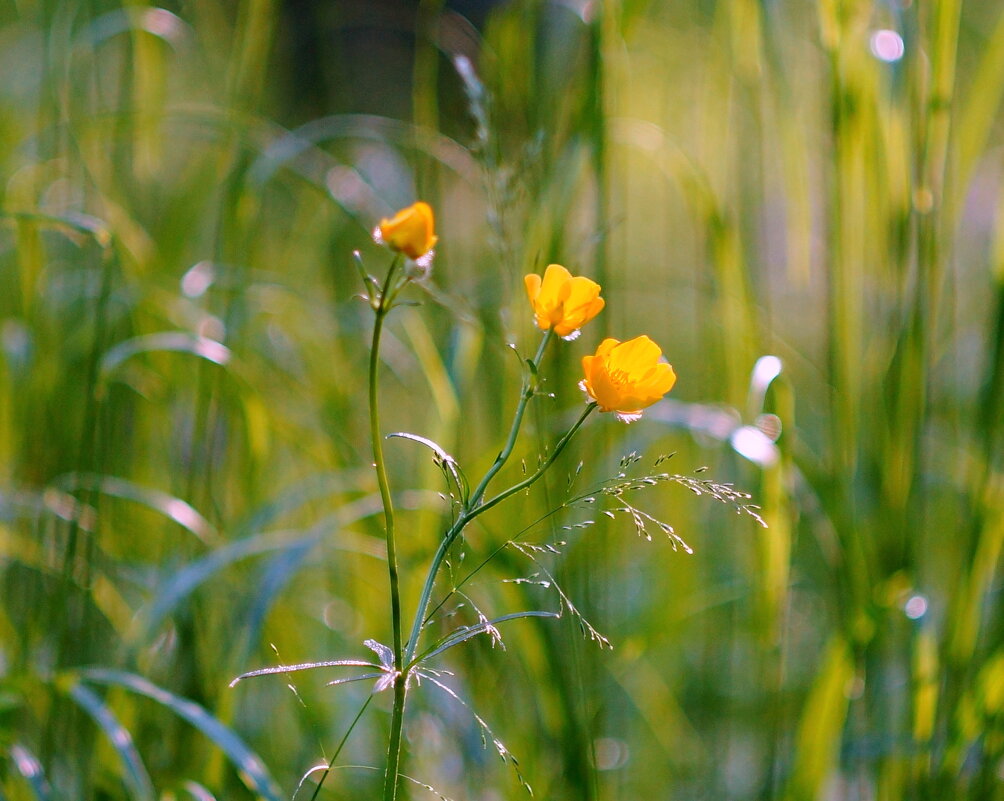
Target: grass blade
<point>135,776</point>
<point>250,768</point>
<point>31,770</point>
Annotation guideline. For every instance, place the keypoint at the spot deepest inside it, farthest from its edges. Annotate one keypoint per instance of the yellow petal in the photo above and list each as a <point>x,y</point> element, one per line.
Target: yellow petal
<point>627,377</point>
<point>410,231</point>
<point>532,284</point>
<point>637,353</point>
<point>550,298</point>
<point>561,301</point>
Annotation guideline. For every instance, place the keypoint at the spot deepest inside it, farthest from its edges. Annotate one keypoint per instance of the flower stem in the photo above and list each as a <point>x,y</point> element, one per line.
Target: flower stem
<point>404,656</point>
<point>390,779</point>
<point>381,309</point>
<point>529,388</point>
<point>465,517</point>
<point>532,478</point>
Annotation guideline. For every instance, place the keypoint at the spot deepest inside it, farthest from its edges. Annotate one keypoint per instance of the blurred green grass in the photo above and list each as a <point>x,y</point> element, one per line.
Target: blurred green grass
<point>183,482</point>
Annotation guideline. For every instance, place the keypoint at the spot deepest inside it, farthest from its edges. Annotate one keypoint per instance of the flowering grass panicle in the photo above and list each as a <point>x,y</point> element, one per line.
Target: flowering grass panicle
<point>411,231</point>
<point>626,377</point>
<point>562,301</point>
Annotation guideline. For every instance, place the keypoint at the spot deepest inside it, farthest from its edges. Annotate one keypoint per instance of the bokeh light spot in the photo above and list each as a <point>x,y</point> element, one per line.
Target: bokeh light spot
<point>887,45</point>
<point>915,607</point>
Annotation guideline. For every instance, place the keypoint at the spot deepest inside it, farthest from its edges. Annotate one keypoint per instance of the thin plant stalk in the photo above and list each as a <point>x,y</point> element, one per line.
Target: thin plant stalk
<point>474,507</point>
<point>381,308</point>
<point>465,517</point>
<point>462,521</point>
<point>338,750</point>
<point>529,388</point>
<point>404,657</point>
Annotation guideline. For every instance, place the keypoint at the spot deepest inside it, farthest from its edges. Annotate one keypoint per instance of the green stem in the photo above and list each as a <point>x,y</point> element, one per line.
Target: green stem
<point>403,658</point>
<point>464,519</point>
<point>341,745</point>
<point>394,743</point>
<point>430,580</point>
<point>525,483</point>
<point>529,388</point>
<point>381,309</point>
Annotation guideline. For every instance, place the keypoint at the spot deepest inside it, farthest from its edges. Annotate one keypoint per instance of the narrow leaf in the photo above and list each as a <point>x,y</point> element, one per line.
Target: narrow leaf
<point>181,512</point>
<point>363,677</point>
<point>457,637</point>
<point>449,465</point>
<point>170,341</point>
<point>250,768</point>
<point>197,791</point>
<point>135,776</point>
<point>385,654</point>
<point>31,769</point>
<point>275,669</point>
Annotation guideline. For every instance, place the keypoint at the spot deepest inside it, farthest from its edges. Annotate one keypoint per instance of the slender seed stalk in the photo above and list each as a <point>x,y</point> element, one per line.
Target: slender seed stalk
<point>341,745</point>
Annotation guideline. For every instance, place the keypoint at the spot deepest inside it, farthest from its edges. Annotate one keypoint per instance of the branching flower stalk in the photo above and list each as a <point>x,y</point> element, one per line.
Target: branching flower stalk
<point>623,378</point>
<point>526,395</point>
<point>410,233</point>
<point>471,511</point>
<point>405,661</point>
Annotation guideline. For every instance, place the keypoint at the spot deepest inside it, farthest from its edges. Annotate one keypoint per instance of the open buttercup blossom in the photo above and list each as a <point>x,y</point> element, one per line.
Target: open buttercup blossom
<point>561,301</point>
<point>626,377</point>
<point>411,231</point>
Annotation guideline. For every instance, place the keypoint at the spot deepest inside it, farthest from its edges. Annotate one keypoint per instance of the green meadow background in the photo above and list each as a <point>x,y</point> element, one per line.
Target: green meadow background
<point>185,489</point>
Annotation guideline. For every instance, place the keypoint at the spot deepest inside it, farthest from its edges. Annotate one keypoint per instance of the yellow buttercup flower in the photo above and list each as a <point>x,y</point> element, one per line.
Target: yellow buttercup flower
<point>626,377</point>
<point>410,231</point>
<point>561,301</point>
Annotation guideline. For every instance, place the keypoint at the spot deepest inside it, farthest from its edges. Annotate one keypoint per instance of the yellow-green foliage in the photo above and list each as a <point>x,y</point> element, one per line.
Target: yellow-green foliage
<point>186,490</point>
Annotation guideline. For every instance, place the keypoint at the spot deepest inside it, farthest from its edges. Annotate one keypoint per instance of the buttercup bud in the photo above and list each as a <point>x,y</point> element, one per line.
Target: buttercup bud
<point>561,301</point>
<point>410,231</point>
